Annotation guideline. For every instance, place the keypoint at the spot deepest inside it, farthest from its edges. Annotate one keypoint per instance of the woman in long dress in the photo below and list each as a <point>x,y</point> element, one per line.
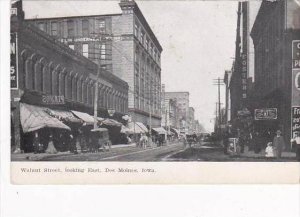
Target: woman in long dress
<point>51,148</point>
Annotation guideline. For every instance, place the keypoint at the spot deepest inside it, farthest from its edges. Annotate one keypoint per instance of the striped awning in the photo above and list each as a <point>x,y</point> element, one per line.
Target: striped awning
<point>35,118</point>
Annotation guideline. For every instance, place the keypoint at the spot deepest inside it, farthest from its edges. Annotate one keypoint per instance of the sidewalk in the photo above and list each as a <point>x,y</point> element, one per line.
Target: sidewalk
<point>40,156</point>
<point>261,155</point>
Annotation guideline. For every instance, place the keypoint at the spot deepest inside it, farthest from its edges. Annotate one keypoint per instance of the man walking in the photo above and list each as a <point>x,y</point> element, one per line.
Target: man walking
<point>296,141</point>
<point>278,144</point>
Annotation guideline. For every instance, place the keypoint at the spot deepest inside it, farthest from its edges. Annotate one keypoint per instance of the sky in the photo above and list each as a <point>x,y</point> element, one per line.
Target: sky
<point>198,40</point>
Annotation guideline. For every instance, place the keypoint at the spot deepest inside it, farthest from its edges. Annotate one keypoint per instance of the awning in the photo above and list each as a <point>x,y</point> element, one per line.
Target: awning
<point>35,118</point>
<point>101,129</point>
<point>175,131</point>
<point>137,127</point>
<point>160,130</point>
<point>84,116</point>
<point>127,130</point>
<point>63,115</point>
<point>111,122</point>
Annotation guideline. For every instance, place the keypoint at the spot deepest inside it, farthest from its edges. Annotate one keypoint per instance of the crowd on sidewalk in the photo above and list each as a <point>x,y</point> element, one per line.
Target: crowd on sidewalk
<point>270,145</point>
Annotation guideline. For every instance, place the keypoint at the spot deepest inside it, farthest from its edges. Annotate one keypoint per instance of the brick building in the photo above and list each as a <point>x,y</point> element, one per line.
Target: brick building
<point>50,74</point>
<point>123,44</point>
<point>276,26</point>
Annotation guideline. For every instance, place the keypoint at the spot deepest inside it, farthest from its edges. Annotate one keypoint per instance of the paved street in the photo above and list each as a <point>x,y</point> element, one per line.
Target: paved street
<point>131,153</point>
<point>170,152</point>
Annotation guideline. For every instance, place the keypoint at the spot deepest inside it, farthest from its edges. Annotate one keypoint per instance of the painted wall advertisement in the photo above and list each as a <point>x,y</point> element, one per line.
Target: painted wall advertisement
<point>13,61</point>
<point>295,113</point>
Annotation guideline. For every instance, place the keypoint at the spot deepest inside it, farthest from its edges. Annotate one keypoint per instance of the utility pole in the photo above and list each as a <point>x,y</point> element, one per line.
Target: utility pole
<point>218,82</point>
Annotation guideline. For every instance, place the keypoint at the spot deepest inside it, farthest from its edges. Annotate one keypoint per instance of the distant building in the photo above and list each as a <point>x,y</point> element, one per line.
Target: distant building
<point>191,120</point>
<point>182,99</point>
<point>276,26</point>
<point>227,78</point>
<point>123,44</point>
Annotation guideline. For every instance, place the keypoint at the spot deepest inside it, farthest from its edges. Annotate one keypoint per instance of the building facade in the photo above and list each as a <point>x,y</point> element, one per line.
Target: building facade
<point>50,74</point>
<point>276,26</point>
<point>182,99</point>
<point>191,120</point>
<point>123,44</point>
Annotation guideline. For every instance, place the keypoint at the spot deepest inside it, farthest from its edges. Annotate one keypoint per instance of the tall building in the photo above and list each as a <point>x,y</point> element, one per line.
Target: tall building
<point>238,82</point>
<point>182,99</point>
<point>123,44</point>
<point>276,34</point>
<point>50,79</point>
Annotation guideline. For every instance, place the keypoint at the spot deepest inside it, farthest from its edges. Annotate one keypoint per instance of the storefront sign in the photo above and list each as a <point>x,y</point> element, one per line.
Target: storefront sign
<point>105,38</point>
<point>53,100</point>
<point>244,75</point>
<point>13,11</point>
<point>295,120</point>
<point>265,114</point>
<point>13,61</point>
<point>296,54</point>
<point>295,112</point>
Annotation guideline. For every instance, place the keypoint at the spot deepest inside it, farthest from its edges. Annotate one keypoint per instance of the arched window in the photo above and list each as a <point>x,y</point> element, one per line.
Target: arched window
<point>33,72</point>
<point>42,77</point>
<point>51,71</point>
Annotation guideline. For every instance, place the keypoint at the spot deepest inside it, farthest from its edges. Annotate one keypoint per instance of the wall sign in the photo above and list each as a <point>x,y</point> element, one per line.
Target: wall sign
<point>295,120</point>
<point>13,61</point>
<point>265,114</point>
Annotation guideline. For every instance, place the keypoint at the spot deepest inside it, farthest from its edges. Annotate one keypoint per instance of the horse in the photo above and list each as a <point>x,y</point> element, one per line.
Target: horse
<point>143,141</point>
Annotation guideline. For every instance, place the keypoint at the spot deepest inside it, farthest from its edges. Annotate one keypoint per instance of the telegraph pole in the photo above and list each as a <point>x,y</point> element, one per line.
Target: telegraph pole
<point>218,82</point>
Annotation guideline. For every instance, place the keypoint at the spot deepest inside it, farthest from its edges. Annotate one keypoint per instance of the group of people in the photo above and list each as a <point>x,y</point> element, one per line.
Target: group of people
<point>49,144</point>
<point>271,144</point>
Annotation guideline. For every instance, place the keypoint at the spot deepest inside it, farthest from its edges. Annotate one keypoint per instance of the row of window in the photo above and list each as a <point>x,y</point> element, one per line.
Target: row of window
<point>141,35</point>
<point>56,28</point>
<point>95,52</point>
<point>49,79</point>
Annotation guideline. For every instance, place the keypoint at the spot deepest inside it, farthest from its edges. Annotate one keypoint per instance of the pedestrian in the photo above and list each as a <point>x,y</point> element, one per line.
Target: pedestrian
<point>36,142</point>
<point>296,142</point>
<point>269,150</point>
<point>257,141</point>
<point>51,148</point>
<point>72,144</point>
<point>278,144</point>
<point>226,137</point>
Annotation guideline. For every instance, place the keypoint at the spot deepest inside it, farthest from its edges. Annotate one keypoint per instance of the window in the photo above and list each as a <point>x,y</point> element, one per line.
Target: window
<point>146,43</point>
<point>42,26</point>
<point>85,50</point>
<point>54,28</point>
<point>142,36</point>
<point>136,30</point>
<point>70,24</point>
<point>150,48</point>
<point>71,46</point>
<point>85,28</point>
<point>103,52</point>
<point>101,26</point>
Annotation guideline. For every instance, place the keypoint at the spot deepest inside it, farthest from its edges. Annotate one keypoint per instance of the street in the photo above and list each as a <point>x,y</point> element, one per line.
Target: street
<point>172,152</point>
